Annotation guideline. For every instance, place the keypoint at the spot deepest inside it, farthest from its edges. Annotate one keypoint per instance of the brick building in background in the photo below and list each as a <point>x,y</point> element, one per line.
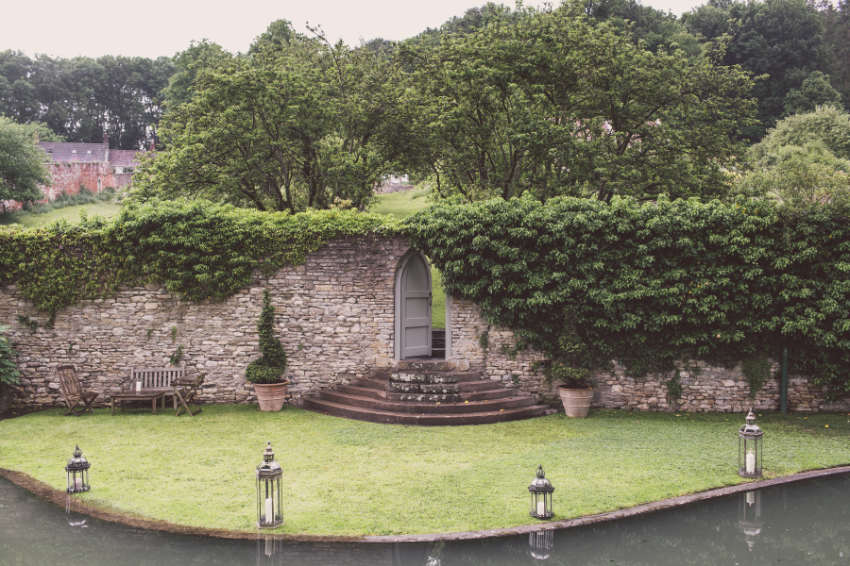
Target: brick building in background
<point>73,165</point>
<point>94,166</point>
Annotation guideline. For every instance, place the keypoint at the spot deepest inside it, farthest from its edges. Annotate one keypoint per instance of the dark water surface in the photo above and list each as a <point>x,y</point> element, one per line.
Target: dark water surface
<point>802,523</point>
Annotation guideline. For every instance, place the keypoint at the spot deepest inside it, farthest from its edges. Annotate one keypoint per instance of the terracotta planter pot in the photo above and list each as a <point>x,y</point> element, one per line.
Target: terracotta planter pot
<point>270,396</point>
<point>576,401</point>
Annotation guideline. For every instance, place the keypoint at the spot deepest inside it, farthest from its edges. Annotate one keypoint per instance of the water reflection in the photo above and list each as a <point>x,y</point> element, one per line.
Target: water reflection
<point>74,519</point>
<point>805,523</point>
<point>749,517</point>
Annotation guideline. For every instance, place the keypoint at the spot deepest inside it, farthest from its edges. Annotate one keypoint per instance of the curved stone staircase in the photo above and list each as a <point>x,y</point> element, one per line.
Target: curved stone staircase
<point>426,392</point>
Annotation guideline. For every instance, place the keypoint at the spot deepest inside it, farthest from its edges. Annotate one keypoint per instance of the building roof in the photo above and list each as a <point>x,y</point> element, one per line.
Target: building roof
<point>123,157</point>
<point>77,152</point>
<point>74,152</point>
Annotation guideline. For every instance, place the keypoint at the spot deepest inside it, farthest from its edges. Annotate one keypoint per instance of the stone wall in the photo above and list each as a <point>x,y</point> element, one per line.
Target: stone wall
<point>704,388</point>
<point>335,317</point>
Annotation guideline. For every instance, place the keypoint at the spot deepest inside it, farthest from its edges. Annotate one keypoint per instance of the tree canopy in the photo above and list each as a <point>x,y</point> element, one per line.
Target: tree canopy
<point>82,98</point>
<point>21,162</point>
<point>804,160</point>
<point>557,104</point>
<point>294,123</point>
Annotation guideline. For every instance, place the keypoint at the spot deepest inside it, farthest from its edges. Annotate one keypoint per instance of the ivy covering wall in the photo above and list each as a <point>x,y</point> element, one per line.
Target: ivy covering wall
<point>653,284</point>
<point>650,285</point>
<point>198,250</point>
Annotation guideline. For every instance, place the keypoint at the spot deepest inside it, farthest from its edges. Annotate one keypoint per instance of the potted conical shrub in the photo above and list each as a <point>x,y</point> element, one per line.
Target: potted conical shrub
<point>574,388</point>
<point>266,372</point>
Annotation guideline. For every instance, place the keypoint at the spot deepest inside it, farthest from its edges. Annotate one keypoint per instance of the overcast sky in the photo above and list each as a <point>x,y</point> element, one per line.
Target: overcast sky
<point>151,28</point>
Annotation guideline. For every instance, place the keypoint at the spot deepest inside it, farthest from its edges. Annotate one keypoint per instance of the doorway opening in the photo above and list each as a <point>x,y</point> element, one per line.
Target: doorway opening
<point>420,310</point>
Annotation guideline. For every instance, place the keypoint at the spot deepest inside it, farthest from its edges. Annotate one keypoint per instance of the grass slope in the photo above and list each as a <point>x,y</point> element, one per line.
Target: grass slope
<point>400,205</point>
<point>72,214</point>
<point>344,477</point>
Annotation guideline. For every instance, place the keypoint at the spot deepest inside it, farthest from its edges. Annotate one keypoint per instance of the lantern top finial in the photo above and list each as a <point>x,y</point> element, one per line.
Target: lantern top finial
<point>750,427</point>
<point>78,461</point>
<point>269,467</point>
<point>540,484</point>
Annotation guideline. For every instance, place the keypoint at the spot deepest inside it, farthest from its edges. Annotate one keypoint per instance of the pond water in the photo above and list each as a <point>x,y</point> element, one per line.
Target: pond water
<point>802,523</point>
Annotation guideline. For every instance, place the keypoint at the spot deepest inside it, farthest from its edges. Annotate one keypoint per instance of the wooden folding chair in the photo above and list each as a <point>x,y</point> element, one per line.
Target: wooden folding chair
<point>77,400</point>
<point>184,393</point>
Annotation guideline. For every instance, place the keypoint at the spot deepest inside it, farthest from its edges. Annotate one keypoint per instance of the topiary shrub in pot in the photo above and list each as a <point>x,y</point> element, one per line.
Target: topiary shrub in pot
<point>575,388</point>
<point>266,372</point>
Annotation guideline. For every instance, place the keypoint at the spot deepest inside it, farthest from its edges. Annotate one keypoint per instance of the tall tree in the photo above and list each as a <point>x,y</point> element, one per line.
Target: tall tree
<point>778,41</point>
<point>21,162</point>
<point>836,21</point>
<point>294,123</point>
<point>804,160</point>
<point>557,104</point>
<point>83,98</point>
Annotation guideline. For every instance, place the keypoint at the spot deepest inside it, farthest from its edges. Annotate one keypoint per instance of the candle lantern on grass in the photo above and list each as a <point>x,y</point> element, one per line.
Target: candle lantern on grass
<point>77,471</point>
<point>269,510</point>
<point>750,438</point>
<point>541,496</point>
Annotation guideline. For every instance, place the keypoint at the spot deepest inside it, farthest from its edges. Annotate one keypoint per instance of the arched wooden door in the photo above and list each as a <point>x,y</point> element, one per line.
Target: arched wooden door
<point>413,307</point>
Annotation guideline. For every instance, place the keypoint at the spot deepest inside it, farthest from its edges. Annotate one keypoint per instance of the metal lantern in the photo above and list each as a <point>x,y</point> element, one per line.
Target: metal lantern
<point>540,544</point>
<point>750,448</point>
<point>269,510</point>
<point>749,517</point>
<point>78,472</point>
<point>541,496</point>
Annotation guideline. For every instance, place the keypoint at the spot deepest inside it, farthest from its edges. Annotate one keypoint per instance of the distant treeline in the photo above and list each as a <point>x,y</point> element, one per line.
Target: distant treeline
<point>82,98</point>
<point>798,52</point>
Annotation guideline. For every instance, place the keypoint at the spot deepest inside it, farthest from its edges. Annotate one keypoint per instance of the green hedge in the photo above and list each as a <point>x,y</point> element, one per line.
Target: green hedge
<point>196,249</point>
<point>653,284</point>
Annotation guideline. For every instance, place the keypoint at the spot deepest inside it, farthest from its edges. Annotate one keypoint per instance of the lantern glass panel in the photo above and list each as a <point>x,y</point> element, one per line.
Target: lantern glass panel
<point>750,442</point>
<point>540,491</point>
<point>77,472</point>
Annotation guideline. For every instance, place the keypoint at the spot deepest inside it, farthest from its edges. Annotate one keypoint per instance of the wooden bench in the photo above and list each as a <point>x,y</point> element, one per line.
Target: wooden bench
<point>149,384</point>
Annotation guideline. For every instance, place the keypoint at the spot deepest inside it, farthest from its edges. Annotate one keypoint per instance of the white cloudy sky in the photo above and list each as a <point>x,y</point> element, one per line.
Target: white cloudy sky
<point>151,28</point>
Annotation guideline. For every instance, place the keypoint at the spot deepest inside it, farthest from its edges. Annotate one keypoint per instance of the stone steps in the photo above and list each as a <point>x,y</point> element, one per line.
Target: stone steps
<point>425,419</point>
<point>426,392</point>
<point>423,407</point>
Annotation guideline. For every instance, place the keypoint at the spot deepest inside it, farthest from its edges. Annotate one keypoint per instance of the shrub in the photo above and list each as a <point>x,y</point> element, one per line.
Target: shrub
<point>271,364</point>
<point>9,373</point>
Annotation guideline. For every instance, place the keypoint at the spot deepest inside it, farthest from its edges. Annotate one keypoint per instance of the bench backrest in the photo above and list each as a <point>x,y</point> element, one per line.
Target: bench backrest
<point>155,378</point>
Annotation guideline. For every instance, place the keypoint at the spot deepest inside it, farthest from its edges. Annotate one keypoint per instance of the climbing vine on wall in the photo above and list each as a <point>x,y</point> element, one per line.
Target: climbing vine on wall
<point>196,249</point>
<point>650,284</point>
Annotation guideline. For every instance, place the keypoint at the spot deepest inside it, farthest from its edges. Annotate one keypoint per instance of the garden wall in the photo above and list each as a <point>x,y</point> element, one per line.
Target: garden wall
<point>704,388</point>
<point>335,318</point>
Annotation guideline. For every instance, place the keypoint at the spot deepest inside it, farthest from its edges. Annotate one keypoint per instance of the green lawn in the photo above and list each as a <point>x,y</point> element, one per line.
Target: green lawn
<point>106,209</point>
<point>402,203</point>
<point>350,477</point>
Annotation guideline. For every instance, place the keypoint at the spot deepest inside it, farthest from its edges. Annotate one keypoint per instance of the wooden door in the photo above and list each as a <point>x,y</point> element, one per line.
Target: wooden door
<point>415,308</point>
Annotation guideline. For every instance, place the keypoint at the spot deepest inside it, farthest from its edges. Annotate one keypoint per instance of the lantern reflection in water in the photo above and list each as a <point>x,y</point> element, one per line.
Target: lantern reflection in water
<point>749,517</point>
<point>540,544</point>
